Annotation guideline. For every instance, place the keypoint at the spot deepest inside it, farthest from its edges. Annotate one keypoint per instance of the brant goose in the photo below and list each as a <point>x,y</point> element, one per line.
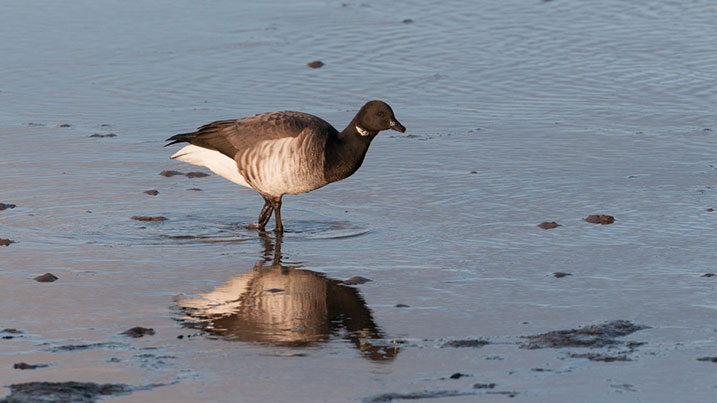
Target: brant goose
<point>284,152</point>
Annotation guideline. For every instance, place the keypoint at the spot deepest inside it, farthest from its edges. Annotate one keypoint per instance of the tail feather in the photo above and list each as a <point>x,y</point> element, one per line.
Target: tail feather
<point>180,138</point>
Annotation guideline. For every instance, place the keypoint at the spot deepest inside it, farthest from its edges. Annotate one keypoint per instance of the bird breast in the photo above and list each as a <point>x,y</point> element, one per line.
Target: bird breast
<point>286,165</point>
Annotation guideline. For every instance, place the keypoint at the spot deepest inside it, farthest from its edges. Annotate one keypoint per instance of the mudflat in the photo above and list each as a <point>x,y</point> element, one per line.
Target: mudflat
<point>518,113</point>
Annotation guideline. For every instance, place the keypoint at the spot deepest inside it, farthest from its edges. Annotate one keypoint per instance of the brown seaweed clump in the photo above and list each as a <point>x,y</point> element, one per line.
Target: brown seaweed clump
<point>548,225</point>
<point>600,219</point>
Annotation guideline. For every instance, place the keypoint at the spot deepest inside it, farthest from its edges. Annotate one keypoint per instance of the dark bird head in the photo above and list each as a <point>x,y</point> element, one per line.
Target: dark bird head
<point>376,116</point>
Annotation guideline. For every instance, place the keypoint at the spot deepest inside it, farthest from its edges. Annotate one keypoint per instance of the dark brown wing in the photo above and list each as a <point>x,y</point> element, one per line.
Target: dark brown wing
<point>232,136</point>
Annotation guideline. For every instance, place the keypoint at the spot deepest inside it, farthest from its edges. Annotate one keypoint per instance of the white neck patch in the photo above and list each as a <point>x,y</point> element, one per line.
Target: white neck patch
<point>361,131</point>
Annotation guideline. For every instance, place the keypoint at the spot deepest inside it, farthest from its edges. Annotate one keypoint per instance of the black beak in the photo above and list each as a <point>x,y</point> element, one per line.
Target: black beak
<point>395,125</point>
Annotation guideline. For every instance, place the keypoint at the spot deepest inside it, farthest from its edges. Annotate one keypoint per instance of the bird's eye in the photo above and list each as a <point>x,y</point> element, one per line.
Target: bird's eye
<point>380,114</point>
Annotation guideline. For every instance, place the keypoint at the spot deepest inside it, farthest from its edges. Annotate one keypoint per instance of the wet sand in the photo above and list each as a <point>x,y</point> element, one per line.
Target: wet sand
<point>517,112</point>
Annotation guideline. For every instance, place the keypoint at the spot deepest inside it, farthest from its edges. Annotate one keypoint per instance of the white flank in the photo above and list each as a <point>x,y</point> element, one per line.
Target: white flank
<point>217,162</point>
<point>361,131</point>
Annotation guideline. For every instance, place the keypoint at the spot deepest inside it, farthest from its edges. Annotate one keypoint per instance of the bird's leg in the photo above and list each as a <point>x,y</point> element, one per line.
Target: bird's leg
<point>265,214</point>
<point>277,215</point>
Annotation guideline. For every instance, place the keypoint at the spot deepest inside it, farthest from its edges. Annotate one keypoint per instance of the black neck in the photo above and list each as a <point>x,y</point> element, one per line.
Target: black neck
<point>345,152</point>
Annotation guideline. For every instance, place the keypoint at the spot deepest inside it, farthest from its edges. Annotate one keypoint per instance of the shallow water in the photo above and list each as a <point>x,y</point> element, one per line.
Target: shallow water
<point>562,109</point>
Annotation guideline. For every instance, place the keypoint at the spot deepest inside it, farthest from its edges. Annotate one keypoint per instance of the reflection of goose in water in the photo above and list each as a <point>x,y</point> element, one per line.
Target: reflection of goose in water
<point>286,306</point>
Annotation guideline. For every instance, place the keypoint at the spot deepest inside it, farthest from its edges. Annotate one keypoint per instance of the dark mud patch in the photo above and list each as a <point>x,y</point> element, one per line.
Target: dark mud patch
<point>24,365</point>
<point>503,392</point>
<point>316,64</point>
<point>624,387</point>
<point>6,206</point>
<point>548,225</point>
<point>602,357</point>
<point>46,278</point>
<point>152,192</point>
<point>169,174</point>
<point>83,347</point>
<point>389,397</point>
<point>101,136</point>
<point>468,343</point>
<point>10,333</point>
<point>355,280</point>
<point>148,218</point>
<point>138,331</point>
<point>484,386</point>
<point>708,359</point>
<point>561,274</point>
<point>601,335</point>
<point>6,242</point>
<point>600,219</point>
<point>76,392</point>
<point>196,175</point>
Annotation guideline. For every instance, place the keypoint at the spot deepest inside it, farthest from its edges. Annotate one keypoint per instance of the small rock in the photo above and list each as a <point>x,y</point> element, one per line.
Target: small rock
<point>138,332</point>
<point>5,206</point>
<point>195,189</point>
<point>24,365</point>
<point>152,192</point>
<point>707,359</point>
<point>457,375</point>
<point>6,242</point>
<point>316,64</point>
<point>600,219</point>
<point>709,275</point>
<point>561,274</point>
<point>548,225</point>
<point>171,173</point>
<point>147,218</point>
<point>196,175</point>
<point>474,172</point>
<point>97,135</point>
<point>357,280</point>
<point>402,306</point>
<point>709,209</point>
<point>46,278</point>
<point>407,21</point>
<point>65,125</point>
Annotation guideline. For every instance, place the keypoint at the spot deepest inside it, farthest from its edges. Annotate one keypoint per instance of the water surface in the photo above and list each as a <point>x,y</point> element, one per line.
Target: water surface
<point>517,112</point>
